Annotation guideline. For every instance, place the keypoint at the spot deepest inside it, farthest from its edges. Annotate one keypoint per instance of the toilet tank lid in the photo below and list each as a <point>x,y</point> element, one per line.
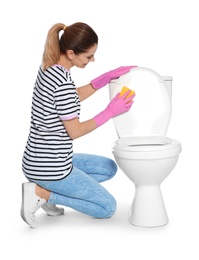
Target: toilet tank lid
<point>167,78</point>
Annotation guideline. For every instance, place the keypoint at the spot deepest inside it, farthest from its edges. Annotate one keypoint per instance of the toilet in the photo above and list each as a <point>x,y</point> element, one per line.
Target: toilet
<point>143,151</point>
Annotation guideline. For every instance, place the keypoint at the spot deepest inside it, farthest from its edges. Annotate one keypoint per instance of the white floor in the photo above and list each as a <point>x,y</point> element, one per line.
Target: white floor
<point>76,236</point>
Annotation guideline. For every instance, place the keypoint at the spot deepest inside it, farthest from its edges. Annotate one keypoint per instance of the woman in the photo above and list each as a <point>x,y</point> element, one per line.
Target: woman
<point>56,175</point>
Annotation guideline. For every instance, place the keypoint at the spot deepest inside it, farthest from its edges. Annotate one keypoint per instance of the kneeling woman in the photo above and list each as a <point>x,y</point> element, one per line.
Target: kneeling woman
<point>57,175</point>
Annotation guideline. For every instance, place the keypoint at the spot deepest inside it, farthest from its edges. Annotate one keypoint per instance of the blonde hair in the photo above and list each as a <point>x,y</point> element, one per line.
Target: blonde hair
<point>52,49</point>
<point>78,37</point>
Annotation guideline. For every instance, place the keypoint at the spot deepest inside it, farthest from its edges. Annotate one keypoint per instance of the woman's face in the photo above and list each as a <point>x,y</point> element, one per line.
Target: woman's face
<point>82,59</point>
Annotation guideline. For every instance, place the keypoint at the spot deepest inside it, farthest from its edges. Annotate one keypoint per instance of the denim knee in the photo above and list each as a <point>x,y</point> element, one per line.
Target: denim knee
<point>113,167</point>
<point>111,208</point>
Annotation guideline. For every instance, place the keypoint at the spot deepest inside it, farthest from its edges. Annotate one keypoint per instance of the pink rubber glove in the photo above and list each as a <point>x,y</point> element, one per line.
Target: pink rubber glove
<point>105,78</point>
<point>117,106</point>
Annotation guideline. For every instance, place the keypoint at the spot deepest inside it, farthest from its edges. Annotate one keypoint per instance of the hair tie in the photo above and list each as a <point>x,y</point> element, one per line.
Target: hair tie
<point>64,27</point>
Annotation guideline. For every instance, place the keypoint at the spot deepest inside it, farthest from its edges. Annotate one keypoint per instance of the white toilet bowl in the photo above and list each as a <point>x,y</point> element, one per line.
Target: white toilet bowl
<point>143,152</point>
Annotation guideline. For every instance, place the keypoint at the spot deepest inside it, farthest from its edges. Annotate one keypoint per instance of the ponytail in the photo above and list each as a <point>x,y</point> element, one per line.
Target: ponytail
<point>52,47</point>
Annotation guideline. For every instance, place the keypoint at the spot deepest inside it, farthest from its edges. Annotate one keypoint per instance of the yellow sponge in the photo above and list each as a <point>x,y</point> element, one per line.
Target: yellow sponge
<point>124,90</point>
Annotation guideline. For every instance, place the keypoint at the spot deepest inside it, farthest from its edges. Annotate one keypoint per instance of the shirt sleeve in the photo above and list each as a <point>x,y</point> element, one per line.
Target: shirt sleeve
<point>66,101</point>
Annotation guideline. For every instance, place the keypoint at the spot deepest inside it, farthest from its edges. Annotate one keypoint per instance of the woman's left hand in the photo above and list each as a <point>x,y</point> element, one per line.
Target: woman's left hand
<point>105,78</point>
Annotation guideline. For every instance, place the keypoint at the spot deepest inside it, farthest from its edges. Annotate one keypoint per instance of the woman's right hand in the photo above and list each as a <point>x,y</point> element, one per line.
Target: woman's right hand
<point>118,105</point>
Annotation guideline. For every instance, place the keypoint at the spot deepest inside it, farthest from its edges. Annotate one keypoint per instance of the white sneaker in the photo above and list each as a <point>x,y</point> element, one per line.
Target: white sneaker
<point>52,210</point>
<point>30,203</point>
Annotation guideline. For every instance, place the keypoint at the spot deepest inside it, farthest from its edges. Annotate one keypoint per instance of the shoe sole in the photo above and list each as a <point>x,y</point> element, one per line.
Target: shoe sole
<point>22,212</point>
<point>22,205</point>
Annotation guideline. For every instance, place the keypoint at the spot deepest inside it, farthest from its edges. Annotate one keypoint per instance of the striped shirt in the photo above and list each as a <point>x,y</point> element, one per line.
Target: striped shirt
<point>49,149</point>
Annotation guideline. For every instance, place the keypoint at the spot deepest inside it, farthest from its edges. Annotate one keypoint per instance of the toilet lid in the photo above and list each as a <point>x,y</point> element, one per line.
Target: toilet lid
<point>151,111</point>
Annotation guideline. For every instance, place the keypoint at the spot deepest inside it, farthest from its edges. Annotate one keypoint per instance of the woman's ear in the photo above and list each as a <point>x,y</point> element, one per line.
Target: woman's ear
<point>70,54</point>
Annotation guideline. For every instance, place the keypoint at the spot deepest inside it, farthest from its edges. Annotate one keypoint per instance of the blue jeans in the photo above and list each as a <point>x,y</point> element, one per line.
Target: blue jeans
<point>81,189</point>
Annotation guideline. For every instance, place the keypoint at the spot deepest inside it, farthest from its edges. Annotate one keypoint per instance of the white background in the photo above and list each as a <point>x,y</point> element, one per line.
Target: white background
<point>161,35</point>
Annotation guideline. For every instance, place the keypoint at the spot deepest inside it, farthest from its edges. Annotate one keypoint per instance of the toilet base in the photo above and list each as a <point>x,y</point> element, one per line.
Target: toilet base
<point>148,209</point>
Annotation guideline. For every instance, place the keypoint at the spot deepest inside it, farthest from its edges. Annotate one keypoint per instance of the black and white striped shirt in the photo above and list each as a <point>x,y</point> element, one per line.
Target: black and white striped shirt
<point>49,149</point>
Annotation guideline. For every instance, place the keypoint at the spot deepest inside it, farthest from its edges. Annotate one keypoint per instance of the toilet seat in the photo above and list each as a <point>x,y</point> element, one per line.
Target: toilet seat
<point>142,130</point>
<point>145,143</point>
<point>146,147</point>
<point>151,112</point>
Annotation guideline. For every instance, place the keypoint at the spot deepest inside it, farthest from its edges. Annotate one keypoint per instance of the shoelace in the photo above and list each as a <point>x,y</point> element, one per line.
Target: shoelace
<point>37,206</point>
